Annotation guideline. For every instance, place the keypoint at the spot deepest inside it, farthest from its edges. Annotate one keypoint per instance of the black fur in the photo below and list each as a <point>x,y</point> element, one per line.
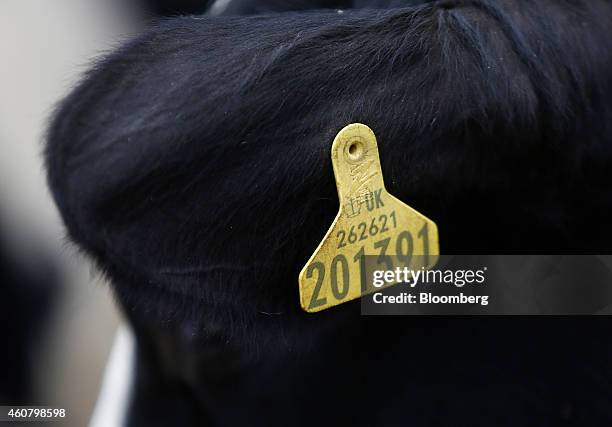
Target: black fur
<point>193,165</point>
<point>176,7</point>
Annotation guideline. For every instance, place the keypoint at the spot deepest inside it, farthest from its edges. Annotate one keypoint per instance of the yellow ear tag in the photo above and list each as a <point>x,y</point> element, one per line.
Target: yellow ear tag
<point>370,221</point>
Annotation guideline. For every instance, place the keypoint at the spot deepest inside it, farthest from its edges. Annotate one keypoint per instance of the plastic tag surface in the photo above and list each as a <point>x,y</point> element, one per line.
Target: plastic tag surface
<point>370,221</point>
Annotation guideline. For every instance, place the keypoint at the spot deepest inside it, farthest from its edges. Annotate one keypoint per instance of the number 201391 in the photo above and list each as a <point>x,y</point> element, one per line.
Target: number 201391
<point>340,282</point>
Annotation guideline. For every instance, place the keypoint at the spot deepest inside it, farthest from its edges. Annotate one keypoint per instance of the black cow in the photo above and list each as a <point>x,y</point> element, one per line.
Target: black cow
<point>193,165</point>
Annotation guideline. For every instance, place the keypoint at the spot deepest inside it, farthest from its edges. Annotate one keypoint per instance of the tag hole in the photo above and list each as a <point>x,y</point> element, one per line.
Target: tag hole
<point>355,150</point>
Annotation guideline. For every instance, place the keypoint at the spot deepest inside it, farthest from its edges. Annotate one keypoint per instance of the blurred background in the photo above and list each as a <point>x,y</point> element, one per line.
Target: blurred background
<point>57,317</point>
